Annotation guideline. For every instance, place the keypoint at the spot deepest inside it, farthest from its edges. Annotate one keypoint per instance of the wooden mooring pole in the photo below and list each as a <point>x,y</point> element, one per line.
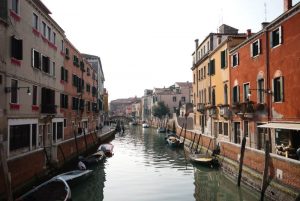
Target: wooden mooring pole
<point>6,174</point>
<point>241,160</point>
<point>266,171</point>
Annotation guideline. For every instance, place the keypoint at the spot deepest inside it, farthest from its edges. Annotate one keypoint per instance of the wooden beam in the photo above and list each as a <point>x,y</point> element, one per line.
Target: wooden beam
<point>6,174</point>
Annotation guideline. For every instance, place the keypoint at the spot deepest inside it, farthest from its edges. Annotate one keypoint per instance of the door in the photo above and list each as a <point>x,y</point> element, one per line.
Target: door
<point>237,132</point>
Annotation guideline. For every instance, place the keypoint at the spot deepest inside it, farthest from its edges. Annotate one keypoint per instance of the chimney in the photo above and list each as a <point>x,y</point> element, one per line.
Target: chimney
<point>196,42</point>
<point>248,33</point>
<point>287,5</point>
<point>264,24</point>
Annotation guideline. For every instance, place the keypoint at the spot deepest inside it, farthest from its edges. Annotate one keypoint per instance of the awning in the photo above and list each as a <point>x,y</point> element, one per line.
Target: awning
<point>289,126</point>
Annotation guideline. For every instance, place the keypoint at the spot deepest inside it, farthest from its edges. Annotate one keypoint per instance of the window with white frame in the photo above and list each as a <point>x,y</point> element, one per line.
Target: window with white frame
<point>53,38</point>
<point>36,59</point>
<point>276,37</point>
<point>225,128</point>
<point>44,29</point>
<point>255,48</point>
<point>52,69</point>
<point>278,90</point>
<point>22,135</point>
<point>235,59</point>
<point>48,33</point>
<point>15,6</point>
<point>57,130</point>
<point>246,92</point>
<point>260,91</point>
<point>220,127</point>
<point>14,91</point>
<point>62,46</point>
<point>35,21</point>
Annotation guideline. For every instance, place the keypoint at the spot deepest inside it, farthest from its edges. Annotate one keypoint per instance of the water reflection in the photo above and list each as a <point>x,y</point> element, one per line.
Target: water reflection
<point>144,168</point>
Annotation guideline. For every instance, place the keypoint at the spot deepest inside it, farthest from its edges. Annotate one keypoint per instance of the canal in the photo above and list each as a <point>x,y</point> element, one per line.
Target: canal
<point>144,168</point>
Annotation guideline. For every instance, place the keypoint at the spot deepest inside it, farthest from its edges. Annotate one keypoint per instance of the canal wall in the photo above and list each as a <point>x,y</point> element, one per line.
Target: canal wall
<point>283,181</point>
<point>29,169</point>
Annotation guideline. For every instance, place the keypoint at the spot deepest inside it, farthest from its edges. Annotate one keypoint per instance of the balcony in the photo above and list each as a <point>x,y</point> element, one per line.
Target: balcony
<point>200,107</point>
<point>213,112</point>
<point>49,109</point>
<point>224,111</point>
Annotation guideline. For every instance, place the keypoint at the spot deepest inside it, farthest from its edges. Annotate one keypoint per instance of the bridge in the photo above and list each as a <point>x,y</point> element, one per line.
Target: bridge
<point>117,118</point>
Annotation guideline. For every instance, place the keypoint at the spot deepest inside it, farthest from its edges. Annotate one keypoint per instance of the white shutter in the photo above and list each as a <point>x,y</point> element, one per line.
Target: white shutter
<point>280,34</point>
<point>281,89</point>
<point>258,44</point>
<point>32,57</point>
<point>237,59</point>
<point>251,50</point>
<point>273,97</point>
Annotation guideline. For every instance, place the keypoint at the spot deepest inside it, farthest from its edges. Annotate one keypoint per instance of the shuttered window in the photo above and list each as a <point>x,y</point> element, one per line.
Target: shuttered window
<point>16,48</point>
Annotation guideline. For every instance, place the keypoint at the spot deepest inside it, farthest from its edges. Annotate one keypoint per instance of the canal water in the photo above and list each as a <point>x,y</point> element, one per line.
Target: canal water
<point>144,168</point>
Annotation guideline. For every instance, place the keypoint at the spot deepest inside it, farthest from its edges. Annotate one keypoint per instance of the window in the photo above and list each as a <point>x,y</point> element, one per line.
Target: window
<point>211,67</point>
<point>223,59</point>
<point>174,98</point>
<point>44,27</point>
<point>53,38</point>
<point>16,48</point>
<point>235,59</point>
<point>3,10</point>
<point>67,53</point>
<point>246,128</point>
<point>48,101</point>
<point>75,61</point>
<point>15,6</point>
<point>65,123</point>
<point>52,70</point>
<point>183,99</point>
<point>220,128</point>
<point>48,33</point>
<point>36,59</point>
<point>14,91</point>
<point>63,101</point>
<point>194,79</point>
<point>260,91</point>
<point>236,94</point>
<point>45,64</point>
<point>278,89</point>
<point>75,103</point>
<point>88,88</point>
<point>225,128</point>
<point>34,95</point>
<point>57,131</point>
<point>64,74</point>
<point>255,48</point>
<point>213,94</point>
<point>225,94</point>
<point>246,92</point>
<point>88,72</point>
<point>204,72</point>
<point>88,106</point>
<point>22,135</point>
<point>276,37</point>
<point>35,21</point>
<point>62,46</point>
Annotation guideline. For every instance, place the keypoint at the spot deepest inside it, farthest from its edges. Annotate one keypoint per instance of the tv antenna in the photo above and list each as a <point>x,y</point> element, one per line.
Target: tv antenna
<point>265,6</point>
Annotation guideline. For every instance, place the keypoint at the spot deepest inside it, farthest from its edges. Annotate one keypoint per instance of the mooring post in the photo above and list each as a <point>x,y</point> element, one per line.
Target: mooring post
<point>75,136</point>
<point>241,160</point>
<point>6,174</point>
<point>266,170</point>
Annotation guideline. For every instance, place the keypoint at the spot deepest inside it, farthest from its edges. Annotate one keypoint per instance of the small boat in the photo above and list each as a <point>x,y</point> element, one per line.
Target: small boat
<point>95,158</point>
<point>54,189</point>
<point>204,159</point>
<point>161,130</point>
<point>107,149</point>
<point>145,125</point>
<point>74,176</point>
<point>174,141</point>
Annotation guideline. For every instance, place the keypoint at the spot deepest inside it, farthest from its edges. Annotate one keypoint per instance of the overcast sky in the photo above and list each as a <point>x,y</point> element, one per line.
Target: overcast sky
<point>148,43</point>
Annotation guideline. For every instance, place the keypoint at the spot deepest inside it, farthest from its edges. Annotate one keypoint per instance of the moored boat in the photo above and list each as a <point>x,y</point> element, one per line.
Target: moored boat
<point>74,176</point>
<point>174,141</point>
<point>95,158</point>
<point>145,125</point>
<point>54,189</point>
<point>204,159</point>
<point>107,149</point>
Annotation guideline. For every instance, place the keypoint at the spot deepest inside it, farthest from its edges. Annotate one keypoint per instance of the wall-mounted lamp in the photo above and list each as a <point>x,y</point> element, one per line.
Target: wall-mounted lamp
<point>8,89</point>
<point>267,91</point>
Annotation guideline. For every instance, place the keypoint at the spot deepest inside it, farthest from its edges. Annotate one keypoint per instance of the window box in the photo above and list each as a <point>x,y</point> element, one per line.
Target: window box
<point>35,107</point>
<point>15,61</point>
<point>14,106</point>
<point>15,16</point>
<point>36,32</point>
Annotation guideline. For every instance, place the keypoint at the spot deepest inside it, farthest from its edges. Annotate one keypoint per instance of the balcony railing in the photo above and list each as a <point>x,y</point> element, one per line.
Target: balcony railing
<point>49,109</point>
